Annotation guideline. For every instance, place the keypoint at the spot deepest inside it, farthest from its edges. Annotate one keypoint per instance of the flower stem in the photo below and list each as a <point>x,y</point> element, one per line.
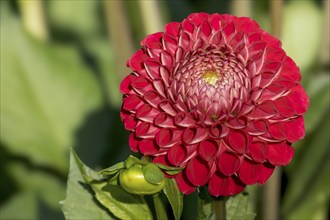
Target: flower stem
<point>219,207</point>
<point>271,190</point>
<point>159,207</point>
<point>119,33</point>
<point>151,9</point>
<point>34,19</point>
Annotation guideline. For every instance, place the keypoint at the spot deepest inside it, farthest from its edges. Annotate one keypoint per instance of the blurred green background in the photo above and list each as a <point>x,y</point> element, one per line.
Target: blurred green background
<point>61,65</point>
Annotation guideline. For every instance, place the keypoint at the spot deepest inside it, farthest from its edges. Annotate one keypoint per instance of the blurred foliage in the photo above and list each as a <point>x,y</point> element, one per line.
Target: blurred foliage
<point>63,93</point>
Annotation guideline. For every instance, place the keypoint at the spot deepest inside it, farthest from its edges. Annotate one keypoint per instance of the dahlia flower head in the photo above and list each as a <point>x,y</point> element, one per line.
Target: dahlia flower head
<point>217,96</point>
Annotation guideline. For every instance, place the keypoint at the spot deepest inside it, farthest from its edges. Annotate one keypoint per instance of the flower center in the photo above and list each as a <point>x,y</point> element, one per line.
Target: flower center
<point>210,82</point>
<point>211,77</point>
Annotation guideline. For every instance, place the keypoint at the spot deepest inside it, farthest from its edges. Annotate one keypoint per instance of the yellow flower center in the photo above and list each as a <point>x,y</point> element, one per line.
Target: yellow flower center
<point>210,77</point>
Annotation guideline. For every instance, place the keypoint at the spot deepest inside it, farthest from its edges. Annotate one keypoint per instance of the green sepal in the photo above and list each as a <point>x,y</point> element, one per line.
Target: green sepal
<point>113,169</point>
<point>114,180</point>
<point>131,161</point>
<point>152,173</point>
<point>169,170</point>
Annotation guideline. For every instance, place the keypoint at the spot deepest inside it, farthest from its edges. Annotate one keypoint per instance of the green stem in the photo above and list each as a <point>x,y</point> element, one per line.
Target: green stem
<point>219,207</point>
<point>241,8</point>
<point>33,18</point>
<point>159,207</point>
<point>151,9</point>
<point>119,33</point>
<point>271,190</point>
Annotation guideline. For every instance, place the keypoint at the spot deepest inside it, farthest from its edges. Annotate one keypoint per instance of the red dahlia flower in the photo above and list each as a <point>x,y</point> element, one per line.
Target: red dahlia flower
<point>217,95</point>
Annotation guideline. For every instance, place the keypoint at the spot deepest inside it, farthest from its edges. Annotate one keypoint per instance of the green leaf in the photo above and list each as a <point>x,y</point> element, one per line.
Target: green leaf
<point>38,190</point>
<point>80,202</point>
<point>121,203</point>
<point>237,208</point>
<point>309,176</point>
<point>85,24</point>
<point>103,51</point>
<point>318,90</point>
<point>113,169</point>
<point>295,35</point>
<point>46,94</point>
<point>25,203</point>
<point>174,196</point>
<point>152,173</point>
<point>46,186</point>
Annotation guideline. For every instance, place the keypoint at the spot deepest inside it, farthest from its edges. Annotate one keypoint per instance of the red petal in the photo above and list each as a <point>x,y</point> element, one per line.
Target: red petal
<point>167,60</point>
<point>146,130</point>
<point>165,75</point>
<point>285,107</point>
<point>278,131</point>
<point>184,41</point>
<point>183,184</point>
<point>183,119</point>
<point>173,28</point>
<point>300,98</point>
<point>152,98</point>
<point>266,170</point>
<point>198,18</point>
<point>146,113</point>
<point>198,171</point>
<point>215,22</point>
<point>247,25</point>
<point>270,39</point>
<point>167,107</point>
<point>162,160</point>
<point>290,71</point>
<point>153,40</point>
<point>194,135</point>
<point>216,38</point>
<point>147,147</point>
<point>170,44</point>
<point>295,129</point>
<point>238,141</point>
<point>132,102</point>
<point>164,120</point>
<point>125,84</point>
<point>130,122</point>
<point>207,149</point>
<point>187,26</point>
<point>228,163</point>
<point>254,37</point>
<point>268,107</point>
<point>166,138</point>
<point>133,142</point>
<point>215,131</point>
<point>159,87</point>
<point>177,155</point>
<point>279,154</point>
<point>229,29</point>
<point>249,172</point>
<point>141,85</point>
<point>274,53</point>
<point>152,69</point>
<point>259,151</point>
<point>136,61</point>
<point>220,185</point>
<point>206,29</point>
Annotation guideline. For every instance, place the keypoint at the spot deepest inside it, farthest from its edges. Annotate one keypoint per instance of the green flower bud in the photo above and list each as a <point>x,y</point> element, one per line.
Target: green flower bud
<point>133,181</point>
